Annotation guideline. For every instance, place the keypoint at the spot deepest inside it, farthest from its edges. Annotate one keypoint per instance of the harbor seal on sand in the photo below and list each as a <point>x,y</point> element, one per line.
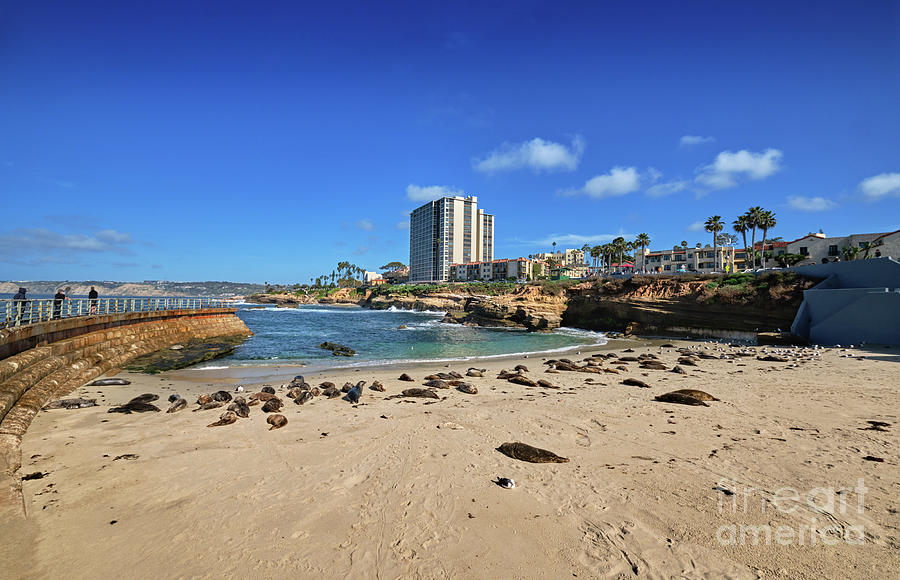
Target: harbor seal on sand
<point>177,405</point>
<point>525,452</point>
<point>108,382</point>
<point>636,383</point>
<point>354,393</point>
<point>276,421</point>
<point>272,405</point>
<point>332,392</point>
<point>680,399</point>
<point>700,395</point>
<point>437,384</point>
<point>134,407</point>
<point>240,408</point>
<point>305,397</point>
<point>145,398</point>
<point>209,405</point>
<point>226,418</point>
<point>267,389</point>
<point>346,388</point>
<point>407,378</point>
<point>424,393</point>
<point>71,404</point>
<point>204,399</point>
<point>223,396</point>
<point>326,385</point>
<point>468,388</point>
<point>261,397</point>
<point>377,386</point>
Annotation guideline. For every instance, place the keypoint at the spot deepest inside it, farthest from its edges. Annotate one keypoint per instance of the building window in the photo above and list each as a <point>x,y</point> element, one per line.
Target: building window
<point>832,250</point>
<point>667,267</point>
<point>804,251</point>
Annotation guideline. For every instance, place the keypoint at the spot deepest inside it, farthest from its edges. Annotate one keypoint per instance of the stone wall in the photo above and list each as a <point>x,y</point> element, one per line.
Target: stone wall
<point>34,376</point>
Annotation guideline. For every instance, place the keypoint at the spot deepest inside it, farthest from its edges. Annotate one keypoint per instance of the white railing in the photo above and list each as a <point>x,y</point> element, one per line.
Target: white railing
<point>22,312</point>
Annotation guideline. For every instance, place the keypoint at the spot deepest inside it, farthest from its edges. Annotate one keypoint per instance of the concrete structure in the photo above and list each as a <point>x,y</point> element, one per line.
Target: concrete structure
<point>46,360</point>
<point>696,260</point>
<point>858,301</point>
<point>369,277</point>
<point>492,271</point>
<point>449,230</point>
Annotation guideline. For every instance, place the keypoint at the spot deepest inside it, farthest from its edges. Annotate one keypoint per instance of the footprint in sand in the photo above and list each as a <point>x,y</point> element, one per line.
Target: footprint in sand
<point>583,440</point>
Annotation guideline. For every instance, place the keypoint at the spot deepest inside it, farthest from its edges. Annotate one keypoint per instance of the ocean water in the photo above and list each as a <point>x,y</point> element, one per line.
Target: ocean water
<point>291,336</point>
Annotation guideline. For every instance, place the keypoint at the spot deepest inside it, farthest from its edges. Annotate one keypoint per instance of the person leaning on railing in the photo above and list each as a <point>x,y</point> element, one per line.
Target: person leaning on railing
<point>92,304</point>
<point>20,304</point>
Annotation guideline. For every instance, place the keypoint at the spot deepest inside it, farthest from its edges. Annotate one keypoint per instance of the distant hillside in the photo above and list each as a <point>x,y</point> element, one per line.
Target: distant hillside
<point>145,288</point>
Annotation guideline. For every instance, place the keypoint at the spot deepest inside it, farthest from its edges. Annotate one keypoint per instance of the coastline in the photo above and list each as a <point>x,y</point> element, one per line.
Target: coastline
<point>405,489</point>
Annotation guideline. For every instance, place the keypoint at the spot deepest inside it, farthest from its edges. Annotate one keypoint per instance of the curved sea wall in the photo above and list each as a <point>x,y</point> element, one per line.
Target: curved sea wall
<point>53,358</point>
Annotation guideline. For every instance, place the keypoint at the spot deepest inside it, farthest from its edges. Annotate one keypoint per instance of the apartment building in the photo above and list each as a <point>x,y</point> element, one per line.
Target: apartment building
<point>567,257</point>
<point>697,260</point>
<point>819,247</point>
<point>449,230</point>
<point>492,271</point>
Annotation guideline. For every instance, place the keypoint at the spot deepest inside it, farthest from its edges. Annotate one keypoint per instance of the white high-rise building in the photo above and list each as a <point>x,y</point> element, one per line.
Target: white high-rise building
<point>449,230</point>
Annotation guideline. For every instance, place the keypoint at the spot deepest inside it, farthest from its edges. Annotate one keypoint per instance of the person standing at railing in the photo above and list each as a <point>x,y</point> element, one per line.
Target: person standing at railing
<point>20,304</point>
<point>92,297</point>
<point>58,302</point>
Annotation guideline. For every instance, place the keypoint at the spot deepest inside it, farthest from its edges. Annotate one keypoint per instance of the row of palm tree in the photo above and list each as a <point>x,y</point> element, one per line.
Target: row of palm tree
<point>755,218</point>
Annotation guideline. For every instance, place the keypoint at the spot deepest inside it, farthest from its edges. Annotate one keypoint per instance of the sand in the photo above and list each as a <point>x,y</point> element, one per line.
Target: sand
<point>398,488</point>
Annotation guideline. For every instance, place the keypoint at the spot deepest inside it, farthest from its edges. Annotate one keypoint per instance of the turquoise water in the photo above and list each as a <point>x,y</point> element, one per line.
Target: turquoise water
<point>291,336</point>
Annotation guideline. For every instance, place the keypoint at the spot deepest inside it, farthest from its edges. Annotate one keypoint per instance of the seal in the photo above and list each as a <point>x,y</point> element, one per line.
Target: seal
<point>295,392</point>
<point>680,399</point>
<point>261,396</point>
<point>276,421</point>
<point>377,386</point>
<point>108,382</point>
<point>701,395</point>
<point>305,397</point>
<point>468,388</point>
<point>326,385</point>
<point>272,405</point>
<point>346,388</point>
<point>354,393</point>
<point>240,408</point>
<point>437,384</point>
<point>525,452</point>
<point>423,393</point>
<point>226,418</point>
<point>407,378</point>
<point>521,368</point>
<point>209,405</point>
<point>177,405</point>
<point>78,403</point>
<point>204,399</point>
<point>636,383</point>
<point>223,396</point>
<point>174,397</point>
<point>332,392</point>
<point>134,407</point>
<point>268,389</point>
<point>145,398</point>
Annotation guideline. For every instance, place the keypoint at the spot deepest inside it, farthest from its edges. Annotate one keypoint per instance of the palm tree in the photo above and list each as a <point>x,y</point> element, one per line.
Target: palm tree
<point>850,252</point>
<point>619,248</point>
<point>643,240</point>
<point>714,225</point>
<point>741,225</point>
<point>596,252</point>
<point>766,222</point>
<point>554,247</point>
<point>753,215</point>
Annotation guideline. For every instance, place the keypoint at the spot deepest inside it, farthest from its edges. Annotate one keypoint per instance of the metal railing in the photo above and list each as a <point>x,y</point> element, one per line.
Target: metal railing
<point>22,312</point>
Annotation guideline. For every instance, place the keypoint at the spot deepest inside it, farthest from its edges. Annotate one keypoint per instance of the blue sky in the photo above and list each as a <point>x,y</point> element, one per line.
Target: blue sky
<point>265,142</point>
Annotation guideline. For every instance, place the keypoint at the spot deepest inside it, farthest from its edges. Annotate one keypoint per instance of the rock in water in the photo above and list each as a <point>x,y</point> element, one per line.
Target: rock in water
<point>337,349</point>
<point>226,418</point>
<point>276,421</point>
<point>377,386</point>
<point>699,395</point>
<point>525,452</point>
<point>680,399</point>
<point>272,405</point>
<point>424,393</point>
<point>177,405</point>
<point>407,378</point>
<point>636,383</point>
<point>468,388</point>
<point>107,382</point>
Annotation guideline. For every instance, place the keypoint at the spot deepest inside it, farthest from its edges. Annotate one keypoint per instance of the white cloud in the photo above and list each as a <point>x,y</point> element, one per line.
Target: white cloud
<point>430,192</point>
<point>41,241</point>
<point>668,188</point>
<point>365,225</point>
<point>403,225</point>
<point>729,168</point>
<point>537,155</point>
<point>801,203</point>
<point>575,240</point>
<point>619,181</point>
<point>691,140</point>
<point>695,227</point>
<point>879,186</point>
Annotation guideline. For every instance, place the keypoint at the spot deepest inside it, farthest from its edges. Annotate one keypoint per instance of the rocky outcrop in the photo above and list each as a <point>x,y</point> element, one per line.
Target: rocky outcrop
<point>281,299</point>
<point>524,308</point>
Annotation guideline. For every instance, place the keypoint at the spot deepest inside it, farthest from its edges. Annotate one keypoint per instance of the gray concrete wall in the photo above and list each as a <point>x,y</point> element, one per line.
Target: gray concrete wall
<point>872,273</point>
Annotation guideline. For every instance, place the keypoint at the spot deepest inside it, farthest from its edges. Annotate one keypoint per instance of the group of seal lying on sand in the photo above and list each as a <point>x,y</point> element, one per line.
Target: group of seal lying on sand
<point>139,404</point>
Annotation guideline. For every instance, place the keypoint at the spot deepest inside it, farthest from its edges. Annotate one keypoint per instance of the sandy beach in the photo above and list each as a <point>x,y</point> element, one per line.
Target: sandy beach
<point>405,488</point>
